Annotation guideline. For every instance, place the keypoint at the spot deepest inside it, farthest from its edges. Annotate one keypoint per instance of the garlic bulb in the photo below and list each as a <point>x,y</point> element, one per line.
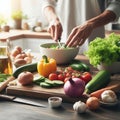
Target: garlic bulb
<point>80,107</point>
<point>108,96</point>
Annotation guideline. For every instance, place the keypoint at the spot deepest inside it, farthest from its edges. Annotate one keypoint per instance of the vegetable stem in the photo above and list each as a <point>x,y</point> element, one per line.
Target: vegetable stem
<point>45,59</point>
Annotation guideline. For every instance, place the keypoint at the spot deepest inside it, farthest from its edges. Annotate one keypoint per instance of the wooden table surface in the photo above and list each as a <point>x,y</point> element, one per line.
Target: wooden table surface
<point>17,111</point>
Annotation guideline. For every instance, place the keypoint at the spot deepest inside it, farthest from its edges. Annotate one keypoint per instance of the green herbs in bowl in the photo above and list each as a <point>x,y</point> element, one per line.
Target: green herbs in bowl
<point>104,51</point>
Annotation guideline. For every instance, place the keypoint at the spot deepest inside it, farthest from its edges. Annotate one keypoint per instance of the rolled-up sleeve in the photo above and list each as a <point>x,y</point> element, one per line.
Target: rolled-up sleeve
<point>46,3</point>
<point>114,5</point>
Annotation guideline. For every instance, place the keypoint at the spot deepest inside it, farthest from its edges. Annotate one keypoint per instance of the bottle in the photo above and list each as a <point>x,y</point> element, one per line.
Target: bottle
<point>5,60</point>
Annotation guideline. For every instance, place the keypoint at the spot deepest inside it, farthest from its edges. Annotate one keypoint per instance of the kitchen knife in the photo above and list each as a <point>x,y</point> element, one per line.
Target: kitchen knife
<point>21,100</point>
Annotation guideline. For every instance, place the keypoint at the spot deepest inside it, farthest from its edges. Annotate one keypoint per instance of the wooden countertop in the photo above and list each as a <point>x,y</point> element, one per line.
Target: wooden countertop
<point>17,34</point>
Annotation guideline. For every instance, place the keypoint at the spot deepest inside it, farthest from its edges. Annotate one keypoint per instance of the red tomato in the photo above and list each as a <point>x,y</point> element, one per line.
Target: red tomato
<point>61,77</point>
<point>68,75</point>
<point>86,76</point>
<point>53,76</point>
<point>66,79</point>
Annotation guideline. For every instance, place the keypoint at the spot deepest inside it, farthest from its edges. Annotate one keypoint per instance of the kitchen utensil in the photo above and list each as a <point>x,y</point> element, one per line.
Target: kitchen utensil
<point>58,41</point>
<point>21,100</point>
<point>54,101</point>
<point>109,104</point>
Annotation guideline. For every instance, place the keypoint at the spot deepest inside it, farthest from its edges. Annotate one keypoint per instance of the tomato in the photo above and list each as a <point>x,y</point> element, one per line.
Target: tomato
<point>61,77</point>
<point>86,77</point>
<point>66,79</point>
<point>53,76</point>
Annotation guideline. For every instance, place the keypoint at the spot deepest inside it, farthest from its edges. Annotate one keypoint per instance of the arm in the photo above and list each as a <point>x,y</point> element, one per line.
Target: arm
<point>55,27</point>
<point>80,33</point>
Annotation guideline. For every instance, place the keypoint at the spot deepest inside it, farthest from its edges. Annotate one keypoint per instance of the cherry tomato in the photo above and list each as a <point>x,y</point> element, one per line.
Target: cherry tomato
<point>66,79</point>
<point>53,76</point>
<point>68,75</point>
<point>86,76</point>
<point>61,77</point>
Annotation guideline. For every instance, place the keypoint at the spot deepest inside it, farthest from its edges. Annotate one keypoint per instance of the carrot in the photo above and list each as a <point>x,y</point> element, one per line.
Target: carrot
<point>115,88</point>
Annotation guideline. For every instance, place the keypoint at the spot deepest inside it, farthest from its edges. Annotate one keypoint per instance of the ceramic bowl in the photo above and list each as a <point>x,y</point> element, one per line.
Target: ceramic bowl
<point>54,101</point>
<point>113,68</point>
<point>62,56</point>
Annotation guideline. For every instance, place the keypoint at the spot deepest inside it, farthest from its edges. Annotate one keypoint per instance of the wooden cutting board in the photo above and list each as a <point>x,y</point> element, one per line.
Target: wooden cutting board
<point>43,93</point>
<point>35,91</point>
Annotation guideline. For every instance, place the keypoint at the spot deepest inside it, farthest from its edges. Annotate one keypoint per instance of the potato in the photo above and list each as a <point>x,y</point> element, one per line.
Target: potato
<point>25,78</point>
<point>19,62</point>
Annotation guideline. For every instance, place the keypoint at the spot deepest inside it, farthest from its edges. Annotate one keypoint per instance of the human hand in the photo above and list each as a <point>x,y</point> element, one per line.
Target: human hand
<point>55,29</point>
<point>79,34</point>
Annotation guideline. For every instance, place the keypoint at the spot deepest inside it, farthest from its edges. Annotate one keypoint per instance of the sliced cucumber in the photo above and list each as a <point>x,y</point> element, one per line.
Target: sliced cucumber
<point>49,82</point>
<point>45,85</point>
<point>58,83</point>
<point>39,79</point>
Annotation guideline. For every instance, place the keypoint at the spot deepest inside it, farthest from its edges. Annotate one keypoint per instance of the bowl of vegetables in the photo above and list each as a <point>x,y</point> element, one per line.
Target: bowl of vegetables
<point>62,54</point>
<point>104,53</point>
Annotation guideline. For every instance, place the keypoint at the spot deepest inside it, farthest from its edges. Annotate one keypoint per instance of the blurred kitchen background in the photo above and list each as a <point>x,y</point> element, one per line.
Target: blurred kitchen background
<point>31,9</point>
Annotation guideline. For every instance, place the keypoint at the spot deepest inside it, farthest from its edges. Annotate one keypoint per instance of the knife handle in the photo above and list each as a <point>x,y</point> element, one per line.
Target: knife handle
<point>6,97</point>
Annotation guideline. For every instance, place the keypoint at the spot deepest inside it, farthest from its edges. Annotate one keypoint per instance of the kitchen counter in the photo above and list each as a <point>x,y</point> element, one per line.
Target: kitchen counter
<point>17,34</point>
<point>17,111</point>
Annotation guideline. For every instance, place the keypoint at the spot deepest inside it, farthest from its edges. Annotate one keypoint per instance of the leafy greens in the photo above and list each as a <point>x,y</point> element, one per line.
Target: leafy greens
<point>104,50</point>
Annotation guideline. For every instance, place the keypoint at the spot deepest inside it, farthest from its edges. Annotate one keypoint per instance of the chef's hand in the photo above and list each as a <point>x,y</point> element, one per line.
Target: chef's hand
<point>55,29</point>
<point>79,34</point>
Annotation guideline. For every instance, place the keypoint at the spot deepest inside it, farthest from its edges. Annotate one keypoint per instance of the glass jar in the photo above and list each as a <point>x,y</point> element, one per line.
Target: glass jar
<point>5,60</point>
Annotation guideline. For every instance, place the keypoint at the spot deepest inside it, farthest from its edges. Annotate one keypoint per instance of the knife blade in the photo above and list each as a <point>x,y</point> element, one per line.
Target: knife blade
<point>21,100</point>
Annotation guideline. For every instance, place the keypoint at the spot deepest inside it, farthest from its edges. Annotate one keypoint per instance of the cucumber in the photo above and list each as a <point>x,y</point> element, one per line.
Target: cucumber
<point>100,80</point>
<point>38,79</point>
<point>28,67</point>
<point>78,67</point>
<point>45,85</point>
<point>50,82</point>
<point>86,67</point>
<point>58,83</point>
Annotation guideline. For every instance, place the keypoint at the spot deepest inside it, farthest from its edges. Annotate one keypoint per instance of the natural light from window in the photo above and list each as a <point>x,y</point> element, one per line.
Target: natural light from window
<point>5,7</point>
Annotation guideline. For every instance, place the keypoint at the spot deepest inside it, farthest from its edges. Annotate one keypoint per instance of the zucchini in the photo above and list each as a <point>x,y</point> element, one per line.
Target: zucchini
<point>100,80</point>
<point>28,67</point>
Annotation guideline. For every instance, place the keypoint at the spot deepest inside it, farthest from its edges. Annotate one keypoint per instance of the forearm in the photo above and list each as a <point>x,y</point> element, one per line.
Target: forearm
<point>103,19</point>
<point>50,13</point>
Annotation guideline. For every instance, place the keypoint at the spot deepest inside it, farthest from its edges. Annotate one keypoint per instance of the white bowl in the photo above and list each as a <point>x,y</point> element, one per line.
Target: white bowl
<point>54,101</point>
<point>113,68</point>
<point>62,56</point>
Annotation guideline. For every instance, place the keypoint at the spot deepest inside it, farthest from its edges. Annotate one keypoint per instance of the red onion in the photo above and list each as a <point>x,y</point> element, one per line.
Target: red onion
<point>74,87</point>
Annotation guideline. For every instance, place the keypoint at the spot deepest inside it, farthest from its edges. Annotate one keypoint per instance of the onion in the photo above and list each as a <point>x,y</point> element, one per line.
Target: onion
<point>74,87</point>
